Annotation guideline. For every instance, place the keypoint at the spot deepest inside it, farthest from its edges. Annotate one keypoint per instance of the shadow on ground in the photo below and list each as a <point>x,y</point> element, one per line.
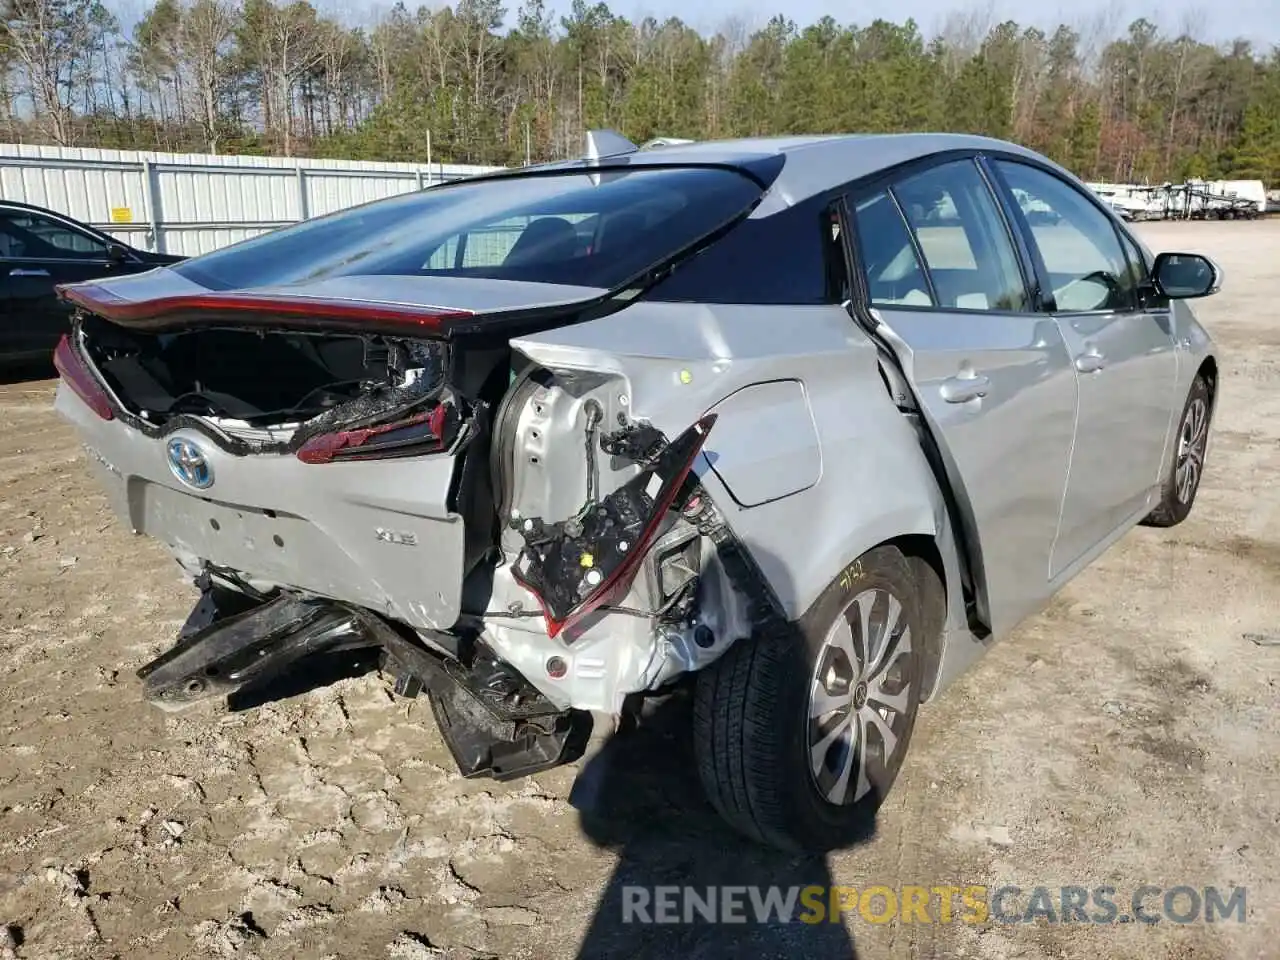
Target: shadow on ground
<point>25,371</point>
<point>646,802</point>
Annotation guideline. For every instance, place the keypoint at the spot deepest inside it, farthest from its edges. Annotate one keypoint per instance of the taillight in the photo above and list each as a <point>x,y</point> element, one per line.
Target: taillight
<point>577,566</point>
<point>414,436</point>
<point>77,375</point>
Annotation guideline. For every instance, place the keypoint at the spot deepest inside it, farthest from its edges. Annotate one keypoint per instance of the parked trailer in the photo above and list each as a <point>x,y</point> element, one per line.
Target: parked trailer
<point>194,203</point>
<point>1193,200</point>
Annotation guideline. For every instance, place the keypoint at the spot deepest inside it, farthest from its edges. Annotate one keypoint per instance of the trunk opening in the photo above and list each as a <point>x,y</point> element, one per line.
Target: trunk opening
<point>260,378</point>
<point>322,397</point>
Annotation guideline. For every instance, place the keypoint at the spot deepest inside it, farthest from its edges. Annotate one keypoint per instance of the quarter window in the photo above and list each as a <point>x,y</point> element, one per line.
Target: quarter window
<point>963,237</point>
<point>1086,265</point>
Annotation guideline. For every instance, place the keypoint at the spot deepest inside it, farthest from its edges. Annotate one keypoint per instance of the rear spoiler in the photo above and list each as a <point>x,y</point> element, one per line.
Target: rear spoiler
<point>320,314</point>
<point>161,312</point>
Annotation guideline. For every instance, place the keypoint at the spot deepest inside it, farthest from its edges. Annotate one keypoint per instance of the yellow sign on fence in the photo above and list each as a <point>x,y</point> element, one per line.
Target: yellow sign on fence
<point>121,215</point>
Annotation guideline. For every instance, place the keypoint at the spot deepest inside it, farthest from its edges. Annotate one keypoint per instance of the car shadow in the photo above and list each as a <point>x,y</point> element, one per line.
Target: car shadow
<point>647,803</point>
<point>640,795</point>
<point>27,371</point>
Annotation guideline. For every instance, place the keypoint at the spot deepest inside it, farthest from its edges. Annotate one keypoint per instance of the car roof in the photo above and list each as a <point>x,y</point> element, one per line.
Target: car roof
<point>32,208</point>
<point>67,218</point>
<point>812,164</point>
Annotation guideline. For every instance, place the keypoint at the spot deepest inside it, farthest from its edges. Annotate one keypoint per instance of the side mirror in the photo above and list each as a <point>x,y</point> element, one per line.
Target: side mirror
<point>1184,276</point>
<point>117,253</point>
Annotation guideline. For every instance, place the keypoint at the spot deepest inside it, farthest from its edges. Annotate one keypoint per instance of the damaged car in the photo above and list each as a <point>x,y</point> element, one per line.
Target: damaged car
<point>741,419</point>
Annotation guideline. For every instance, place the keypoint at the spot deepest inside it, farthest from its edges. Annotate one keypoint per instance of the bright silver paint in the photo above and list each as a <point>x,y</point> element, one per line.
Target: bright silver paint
<point>857,695</point>
<point>1053,432</point>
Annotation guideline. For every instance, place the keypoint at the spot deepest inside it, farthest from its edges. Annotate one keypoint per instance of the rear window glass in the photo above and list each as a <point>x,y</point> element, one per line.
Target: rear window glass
<point>561,228</point>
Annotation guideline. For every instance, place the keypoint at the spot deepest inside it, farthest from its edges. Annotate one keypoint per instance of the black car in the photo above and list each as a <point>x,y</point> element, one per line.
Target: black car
<point>40,249</point>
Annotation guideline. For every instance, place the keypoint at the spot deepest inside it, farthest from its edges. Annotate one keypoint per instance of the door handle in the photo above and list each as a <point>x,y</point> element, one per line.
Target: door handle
<point>964,389</point>
<point>1090,362</point>
<point>23,272</point>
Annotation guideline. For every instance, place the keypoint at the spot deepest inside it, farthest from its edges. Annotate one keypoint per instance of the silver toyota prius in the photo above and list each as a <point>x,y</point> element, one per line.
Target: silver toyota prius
<point>796,428</point>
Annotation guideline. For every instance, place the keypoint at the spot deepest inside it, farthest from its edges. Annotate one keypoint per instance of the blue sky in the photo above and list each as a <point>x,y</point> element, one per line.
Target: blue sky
<point>1257,20</point>
<point>1216,20</point>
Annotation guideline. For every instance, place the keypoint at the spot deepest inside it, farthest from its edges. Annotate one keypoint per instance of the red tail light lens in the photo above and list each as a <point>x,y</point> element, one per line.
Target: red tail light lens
<point>77,375</point>
<point>577,566</point>
<point>414,436</point>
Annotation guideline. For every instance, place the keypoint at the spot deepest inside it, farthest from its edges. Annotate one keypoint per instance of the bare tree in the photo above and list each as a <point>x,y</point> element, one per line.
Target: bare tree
<point>51,44</point>
<point>207,29</point>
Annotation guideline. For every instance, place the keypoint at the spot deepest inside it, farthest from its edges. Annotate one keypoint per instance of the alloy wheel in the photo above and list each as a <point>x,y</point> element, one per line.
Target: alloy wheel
<point>859,697</point>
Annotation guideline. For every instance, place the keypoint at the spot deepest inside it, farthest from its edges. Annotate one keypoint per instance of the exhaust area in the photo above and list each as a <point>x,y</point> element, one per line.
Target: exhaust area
<point>243,648</point>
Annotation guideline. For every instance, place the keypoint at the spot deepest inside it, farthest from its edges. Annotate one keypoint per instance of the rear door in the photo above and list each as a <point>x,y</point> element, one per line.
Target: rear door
<point>37,252</point>
<point>1123,352</point>
<point>946,278</point>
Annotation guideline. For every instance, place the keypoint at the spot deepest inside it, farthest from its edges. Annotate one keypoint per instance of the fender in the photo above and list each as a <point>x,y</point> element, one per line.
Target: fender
<point>834,467</point>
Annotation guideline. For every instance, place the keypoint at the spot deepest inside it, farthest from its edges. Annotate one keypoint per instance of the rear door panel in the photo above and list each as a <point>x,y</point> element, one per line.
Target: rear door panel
<point>1006,452</point>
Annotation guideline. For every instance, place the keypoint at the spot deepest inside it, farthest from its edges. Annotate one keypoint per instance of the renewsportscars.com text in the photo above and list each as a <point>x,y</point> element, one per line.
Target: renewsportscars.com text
<point>942,904</point>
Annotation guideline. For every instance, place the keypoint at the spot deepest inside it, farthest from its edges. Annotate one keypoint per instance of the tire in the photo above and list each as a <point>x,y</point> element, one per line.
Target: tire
<point>1191,443</point>
<point>752,729</point>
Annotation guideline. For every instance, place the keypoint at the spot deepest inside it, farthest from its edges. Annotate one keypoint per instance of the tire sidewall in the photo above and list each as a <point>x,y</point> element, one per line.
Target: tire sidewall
<point>818,822</point>
<point>1178,509</point>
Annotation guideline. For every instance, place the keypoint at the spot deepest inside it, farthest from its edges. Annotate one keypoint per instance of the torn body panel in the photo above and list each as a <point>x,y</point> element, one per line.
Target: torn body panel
<point>675,364</point>
<point>655,367</point>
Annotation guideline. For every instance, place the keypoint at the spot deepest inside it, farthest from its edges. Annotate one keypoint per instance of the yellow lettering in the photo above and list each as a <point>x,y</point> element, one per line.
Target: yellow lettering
<point>811,901</point>
<point>946,895</point>
<point>869,897</point>
<point>915,905</point>
<point>975,901</point>
<point>843,900</point>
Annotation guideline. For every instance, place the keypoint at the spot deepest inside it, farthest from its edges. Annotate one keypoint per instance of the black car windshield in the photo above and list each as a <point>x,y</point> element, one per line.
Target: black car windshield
<point>587,229</point>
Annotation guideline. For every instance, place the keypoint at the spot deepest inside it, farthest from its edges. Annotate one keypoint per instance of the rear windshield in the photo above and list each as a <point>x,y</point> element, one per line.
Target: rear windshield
<point>558,228</point>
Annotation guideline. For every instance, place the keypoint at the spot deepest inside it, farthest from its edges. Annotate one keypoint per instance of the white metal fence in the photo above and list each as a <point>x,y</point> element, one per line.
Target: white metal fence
<point>193,203</point>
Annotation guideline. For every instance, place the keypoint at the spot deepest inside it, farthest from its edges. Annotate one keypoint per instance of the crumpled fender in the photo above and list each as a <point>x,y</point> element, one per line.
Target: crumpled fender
<point>807,485</point>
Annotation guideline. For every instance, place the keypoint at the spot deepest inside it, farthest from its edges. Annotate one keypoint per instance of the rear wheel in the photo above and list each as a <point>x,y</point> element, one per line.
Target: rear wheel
<point>1186,465</point>
<point>800,736</point>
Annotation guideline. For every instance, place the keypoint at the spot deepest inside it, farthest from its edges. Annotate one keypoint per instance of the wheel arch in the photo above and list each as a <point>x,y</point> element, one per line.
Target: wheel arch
<point>1208,369</point>
<point>929,571</point>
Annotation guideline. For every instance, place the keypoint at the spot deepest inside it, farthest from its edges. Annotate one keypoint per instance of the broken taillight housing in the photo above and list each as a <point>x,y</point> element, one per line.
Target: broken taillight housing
<point>76,374</point>
<point>577,566</point>
<point>414,436</point>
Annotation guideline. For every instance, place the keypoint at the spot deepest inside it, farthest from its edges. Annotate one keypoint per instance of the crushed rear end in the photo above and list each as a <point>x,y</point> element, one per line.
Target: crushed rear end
<point>360,461</point>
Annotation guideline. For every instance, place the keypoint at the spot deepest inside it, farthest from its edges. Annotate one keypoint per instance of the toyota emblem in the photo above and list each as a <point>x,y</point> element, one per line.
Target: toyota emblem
<point>187,462</point>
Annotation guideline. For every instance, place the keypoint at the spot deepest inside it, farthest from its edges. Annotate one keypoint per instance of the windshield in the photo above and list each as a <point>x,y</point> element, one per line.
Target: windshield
<point>561,228</point>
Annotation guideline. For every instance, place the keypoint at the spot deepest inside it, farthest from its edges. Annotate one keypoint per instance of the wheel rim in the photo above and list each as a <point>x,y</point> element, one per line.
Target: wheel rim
<point>859,697</point>
<point>1191,445</point>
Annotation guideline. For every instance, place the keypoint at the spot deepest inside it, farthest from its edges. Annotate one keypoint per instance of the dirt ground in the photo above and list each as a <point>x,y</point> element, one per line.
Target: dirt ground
<point>1128,736</point>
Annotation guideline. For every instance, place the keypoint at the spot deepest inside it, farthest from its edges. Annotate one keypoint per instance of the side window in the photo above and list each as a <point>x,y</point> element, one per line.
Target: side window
<point>1078,243</point>
<point>31,236</point>
<point>887,255</point>
<point>966,244</point>
<point>518,241</point>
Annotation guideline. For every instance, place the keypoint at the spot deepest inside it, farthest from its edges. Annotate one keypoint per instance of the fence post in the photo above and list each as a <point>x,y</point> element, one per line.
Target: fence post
<point>417,175</point>
<point>302,192</point>
<point>151,196</point>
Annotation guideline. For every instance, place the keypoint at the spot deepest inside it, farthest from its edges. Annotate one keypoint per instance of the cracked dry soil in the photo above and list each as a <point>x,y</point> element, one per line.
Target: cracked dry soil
<point>1128,735</point>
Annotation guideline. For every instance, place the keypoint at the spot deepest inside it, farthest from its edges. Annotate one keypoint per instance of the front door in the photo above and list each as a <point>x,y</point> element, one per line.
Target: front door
<point>993,377</point>
<point>1123,353</point>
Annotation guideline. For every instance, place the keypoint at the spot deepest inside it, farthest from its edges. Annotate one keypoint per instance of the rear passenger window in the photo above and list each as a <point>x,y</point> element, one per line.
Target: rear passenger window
<point>1078,243</point>
<point>966,245</point>
<point>888,257</point>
